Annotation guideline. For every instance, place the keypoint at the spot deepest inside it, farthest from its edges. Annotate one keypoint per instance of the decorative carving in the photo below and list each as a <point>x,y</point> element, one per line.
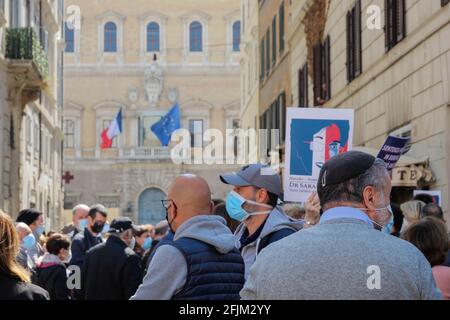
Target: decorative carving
<point>314,22</point>
<point>154,82</point>
<point>133,95</point>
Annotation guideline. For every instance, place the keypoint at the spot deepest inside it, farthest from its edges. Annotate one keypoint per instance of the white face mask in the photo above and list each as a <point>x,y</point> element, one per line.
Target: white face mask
<point>132,243</point>
<point>383,216</point>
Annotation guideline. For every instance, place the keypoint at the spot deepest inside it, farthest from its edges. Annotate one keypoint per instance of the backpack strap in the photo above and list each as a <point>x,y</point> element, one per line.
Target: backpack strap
<point>274,237</point>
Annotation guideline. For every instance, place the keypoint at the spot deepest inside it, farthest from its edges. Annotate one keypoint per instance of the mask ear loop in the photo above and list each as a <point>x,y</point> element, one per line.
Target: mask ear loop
<point>389,208</point>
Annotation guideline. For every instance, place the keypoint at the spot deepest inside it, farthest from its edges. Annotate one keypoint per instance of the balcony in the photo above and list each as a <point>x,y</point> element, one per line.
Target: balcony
<point>26,55</point>
<point>147,153</point>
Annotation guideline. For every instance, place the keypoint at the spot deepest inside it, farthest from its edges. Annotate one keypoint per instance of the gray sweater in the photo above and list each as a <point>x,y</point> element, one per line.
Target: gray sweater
<point>339,259</point>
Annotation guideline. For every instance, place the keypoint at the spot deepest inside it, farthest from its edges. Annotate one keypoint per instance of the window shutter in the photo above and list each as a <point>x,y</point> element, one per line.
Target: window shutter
<point>262,60</point>
<point>300,87</point>
<point>350,46</point>
<point>303,86</point>
<point>357,43</point>
<point>327,69</point>
<point>268,51</point>
<point>317,61</point>
<point>281,17</point>
<point>388,28</point>
<point>400,20</point>
<point>274,40</point>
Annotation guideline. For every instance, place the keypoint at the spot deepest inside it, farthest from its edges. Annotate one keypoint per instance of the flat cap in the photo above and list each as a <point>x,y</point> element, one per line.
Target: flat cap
<point>344,167</point>
<point>122,224</point>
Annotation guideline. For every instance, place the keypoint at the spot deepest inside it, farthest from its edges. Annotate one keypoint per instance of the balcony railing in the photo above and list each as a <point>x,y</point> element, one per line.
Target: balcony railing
<point>150,153</point>
<point>24,44</point>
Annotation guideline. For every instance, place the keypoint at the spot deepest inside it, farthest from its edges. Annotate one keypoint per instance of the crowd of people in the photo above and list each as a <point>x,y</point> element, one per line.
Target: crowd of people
<point>348,241</point>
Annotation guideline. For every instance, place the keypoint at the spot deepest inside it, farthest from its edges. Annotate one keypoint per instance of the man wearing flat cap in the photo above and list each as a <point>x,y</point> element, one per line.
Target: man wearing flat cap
<point>112,270</point>
<point>253,202</point>
<point>345,256</point>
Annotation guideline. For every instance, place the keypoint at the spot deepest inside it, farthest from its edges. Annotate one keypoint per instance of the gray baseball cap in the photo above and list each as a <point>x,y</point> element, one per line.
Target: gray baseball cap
<point>257,175</point>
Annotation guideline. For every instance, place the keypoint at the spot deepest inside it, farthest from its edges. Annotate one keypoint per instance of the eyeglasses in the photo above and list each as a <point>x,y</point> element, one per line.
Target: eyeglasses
<point>166,203</point>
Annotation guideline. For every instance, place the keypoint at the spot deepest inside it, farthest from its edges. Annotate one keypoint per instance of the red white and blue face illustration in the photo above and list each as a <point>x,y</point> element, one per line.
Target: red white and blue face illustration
<point>325,145</point>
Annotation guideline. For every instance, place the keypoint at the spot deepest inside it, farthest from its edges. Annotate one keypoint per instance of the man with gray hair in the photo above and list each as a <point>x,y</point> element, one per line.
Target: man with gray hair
<point>79,221</point>
<point>345,256</point>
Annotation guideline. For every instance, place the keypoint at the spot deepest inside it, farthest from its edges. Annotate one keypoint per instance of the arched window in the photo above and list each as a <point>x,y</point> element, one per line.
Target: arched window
<point>236,36</point>
<point>110,37</point>
<point>196,37</point>
<point>153,37</point>
<point>70,38</point>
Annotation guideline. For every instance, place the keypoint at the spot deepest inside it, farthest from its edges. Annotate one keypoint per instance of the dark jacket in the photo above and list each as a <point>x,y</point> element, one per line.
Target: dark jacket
<point>81,243</point>
<point>12,288</point>
<point>211,275</point>
<point>111,271</point>
<point>51,275</point>
<point>70,230</point>
<point>201,262</point>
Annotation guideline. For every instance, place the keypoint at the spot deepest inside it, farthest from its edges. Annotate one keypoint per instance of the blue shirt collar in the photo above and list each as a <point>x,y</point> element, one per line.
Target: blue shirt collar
<point>345,213</point>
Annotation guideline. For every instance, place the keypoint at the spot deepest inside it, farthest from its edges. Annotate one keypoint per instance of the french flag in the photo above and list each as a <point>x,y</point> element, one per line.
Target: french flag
<point>114,129</point>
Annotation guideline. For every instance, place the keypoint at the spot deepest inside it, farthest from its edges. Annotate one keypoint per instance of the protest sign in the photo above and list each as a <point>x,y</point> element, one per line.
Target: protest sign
<point>313,136</point>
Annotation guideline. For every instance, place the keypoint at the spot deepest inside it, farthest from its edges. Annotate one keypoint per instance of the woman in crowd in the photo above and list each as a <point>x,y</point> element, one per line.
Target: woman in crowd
<point>430,237</point>
<point>14,279</point>
<point>144,239</point>
<point>51,271</point>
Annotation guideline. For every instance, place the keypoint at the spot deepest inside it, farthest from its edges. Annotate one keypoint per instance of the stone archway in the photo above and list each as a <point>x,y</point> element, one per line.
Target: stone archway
<point>150,209</point>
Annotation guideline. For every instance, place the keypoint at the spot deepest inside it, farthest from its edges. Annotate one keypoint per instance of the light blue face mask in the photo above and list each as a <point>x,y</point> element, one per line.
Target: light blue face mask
<point>388,228</point>
<point>105,228</point>
<point>29,241</point>
<point>39,230</point>
<point>82,224</point>
<point>234,208</point>
<point>147,243</point>
<point>381,212</point>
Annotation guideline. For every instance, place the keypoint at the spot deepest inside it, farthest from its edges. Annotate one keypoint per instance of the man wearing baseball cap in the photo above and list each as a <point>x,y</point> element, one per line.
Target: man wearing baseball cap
<point>253,201</point>
<point>345,257</point>
<point>112,270</point>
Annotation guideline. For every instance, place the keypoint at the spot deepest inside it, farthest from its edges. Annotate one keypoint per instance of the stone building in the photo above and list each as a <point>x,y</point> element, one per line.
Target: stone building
<point>390,62</point>
<point>31,55</point>
<point>144,56</point>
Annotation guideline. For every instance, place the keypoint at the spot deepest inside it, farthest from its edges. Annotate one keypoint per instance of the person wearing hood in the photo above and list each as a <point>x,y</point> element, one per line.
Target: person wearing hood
<point>254,202</point>
<point>35,220</point>
<point>201,261</point>
<point>79,221</point>
<point>112,270</point>
<point>51,271</point>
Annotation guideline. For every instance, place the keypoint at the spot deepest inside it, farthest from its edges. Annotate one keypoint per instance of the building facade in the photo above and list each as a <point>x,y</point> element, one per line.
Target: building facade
<point>31,107</point>
<point>390,62</point>
<point>144,57</point>
<point>250,65</point>
<point>274,79</point>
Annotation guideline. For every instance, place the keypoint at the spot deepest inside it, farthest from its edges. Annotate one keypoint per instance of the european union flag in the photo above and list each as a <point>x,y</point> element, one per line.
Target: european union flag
<point>164,128</point>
